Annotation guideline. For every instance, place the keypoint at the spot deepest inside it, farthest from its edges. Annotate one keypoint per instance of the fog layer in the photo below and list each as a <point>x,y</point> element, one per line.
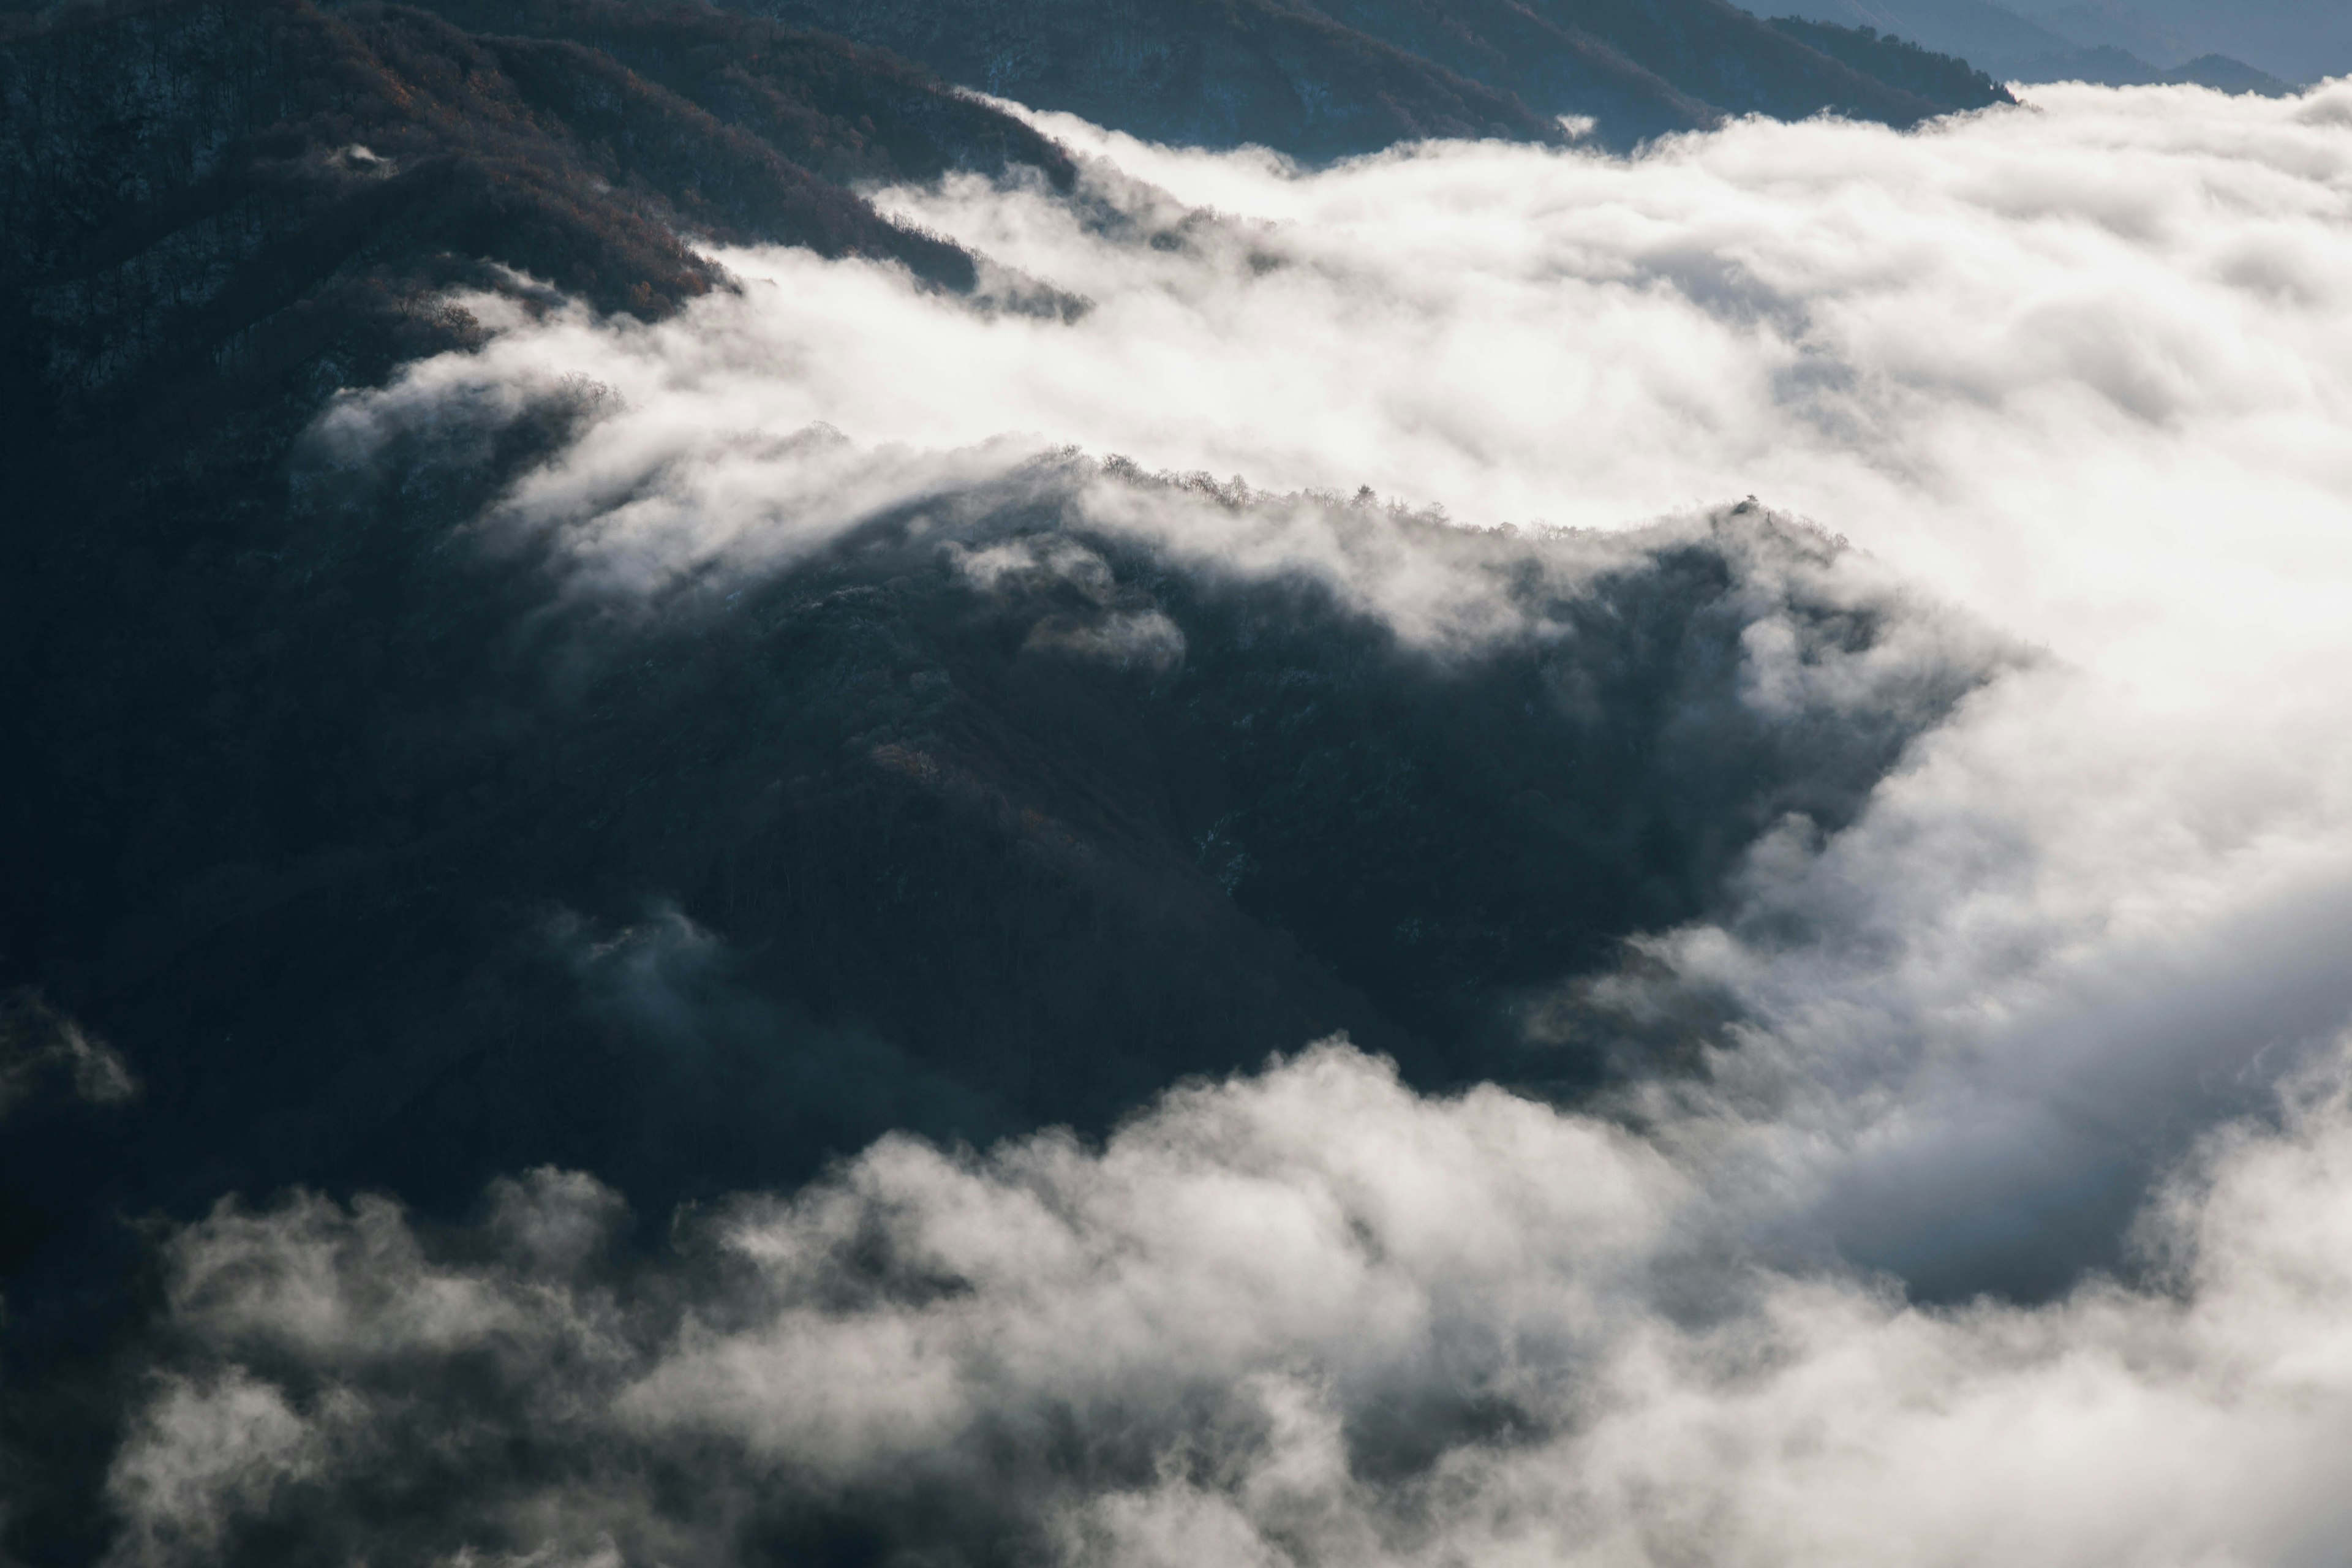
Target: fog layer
<point>1308,1318</point>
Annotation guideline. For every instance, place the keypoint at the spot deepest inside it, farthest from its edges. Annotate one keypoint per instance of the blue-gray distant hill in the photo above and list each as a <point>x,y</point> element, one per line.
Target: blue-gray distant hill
<point>2113,43</point>
<point>2296,41</point>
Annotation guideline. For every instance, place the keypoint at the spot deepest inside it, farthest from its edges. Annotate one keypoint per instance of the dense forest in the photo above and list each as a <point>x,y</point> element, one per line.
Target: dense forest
<point>1897,61</point>
<point>1336,77</point>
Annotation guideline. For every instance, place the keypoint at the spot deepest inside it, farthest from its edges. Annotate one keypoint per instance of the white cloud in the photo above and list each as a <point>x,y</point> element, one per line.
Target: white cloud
<point>200,1454</point>
<point>1309,1317</point>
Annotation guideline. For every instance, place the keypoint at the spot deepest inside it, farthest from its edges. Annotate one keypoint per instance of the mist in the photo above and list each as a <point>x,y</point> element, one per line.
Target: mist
<point>2003,1212</point>
<point>1305,1317</point>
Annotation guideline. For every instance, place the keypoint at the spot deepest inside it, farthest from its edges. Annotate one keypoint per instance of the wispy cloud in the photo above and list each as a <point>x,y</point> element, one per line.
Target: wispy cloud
<point>1307,1317</point>
<point>44,1048</point>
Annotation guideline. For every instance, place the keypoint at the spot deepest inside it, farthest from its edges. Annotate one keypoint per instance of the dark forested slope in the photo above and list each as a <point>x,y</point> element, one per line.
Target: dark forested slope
<point>212,215</point>
<point>1891,59</point>
<point>237,182</point>
<point>1333,76</point>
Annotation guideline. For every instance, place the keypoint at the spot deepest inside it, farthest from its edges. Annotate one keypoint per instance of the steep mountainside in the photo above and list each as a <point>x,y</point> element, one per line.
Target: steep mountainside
<point>1986,35</point>
<point>1345,76</point>
<point>212,215</point>
<point>271,178</point>
<point>1266,71</point>
<point>1888,57</point>
<point>1717,52</point>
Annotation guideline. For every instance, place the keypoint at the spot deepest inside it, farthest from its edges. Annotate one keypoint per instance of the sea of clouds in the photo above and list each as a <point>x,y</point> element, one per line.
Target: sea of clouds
<point>2012,1221</point>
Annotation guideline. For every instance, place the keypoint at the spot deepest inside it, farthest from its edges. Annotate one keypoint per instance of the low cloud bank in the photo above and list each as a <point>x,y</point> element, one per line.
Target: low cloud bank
<point>2081,372</point>
<point>1305,1317</point>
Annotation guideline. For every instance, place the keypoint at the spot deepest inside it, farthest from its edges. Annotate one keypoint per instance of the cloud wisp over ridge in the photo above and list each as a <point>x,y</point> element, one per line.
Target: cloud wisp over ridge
<point>2065,996</point>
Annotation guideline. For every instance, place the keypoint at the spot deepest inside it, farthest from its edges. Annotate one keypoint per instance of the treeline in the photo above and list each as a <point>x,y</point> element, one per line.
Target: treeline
<point>1943,77</point>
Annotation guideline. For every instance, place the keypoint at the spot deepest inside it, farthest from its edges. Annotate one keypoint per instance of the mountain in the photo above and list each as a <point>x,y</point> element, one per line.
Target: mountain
<point>1349,76</point>
<point>2111,26</point>
<point>2109,67</point>
<point>1711,52</point>
<point>1887,57</point>
<point>2108,44</point>
<point>347,846</point>
<point>281,187</point>
<point>2225,74</point>
<point>214,216</point>
<point>384,861</point>
<point>258,722</point>
<point>376,857</point>
<point>2295,41</point>
<point>1984,34</point>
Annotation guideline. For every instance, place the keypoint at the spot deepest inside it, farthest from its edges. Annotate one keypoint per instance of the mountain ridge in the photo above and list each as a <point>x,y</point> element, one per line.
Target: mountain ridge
<point>2074,44</point>
<point>1296,75</point>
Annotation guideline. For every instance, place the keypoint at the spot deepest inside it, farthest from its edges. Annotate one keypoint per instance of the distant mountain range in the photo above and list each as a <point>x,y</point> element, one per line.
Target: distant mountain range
<point>2255,47</point>
<point>2298,41</point>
